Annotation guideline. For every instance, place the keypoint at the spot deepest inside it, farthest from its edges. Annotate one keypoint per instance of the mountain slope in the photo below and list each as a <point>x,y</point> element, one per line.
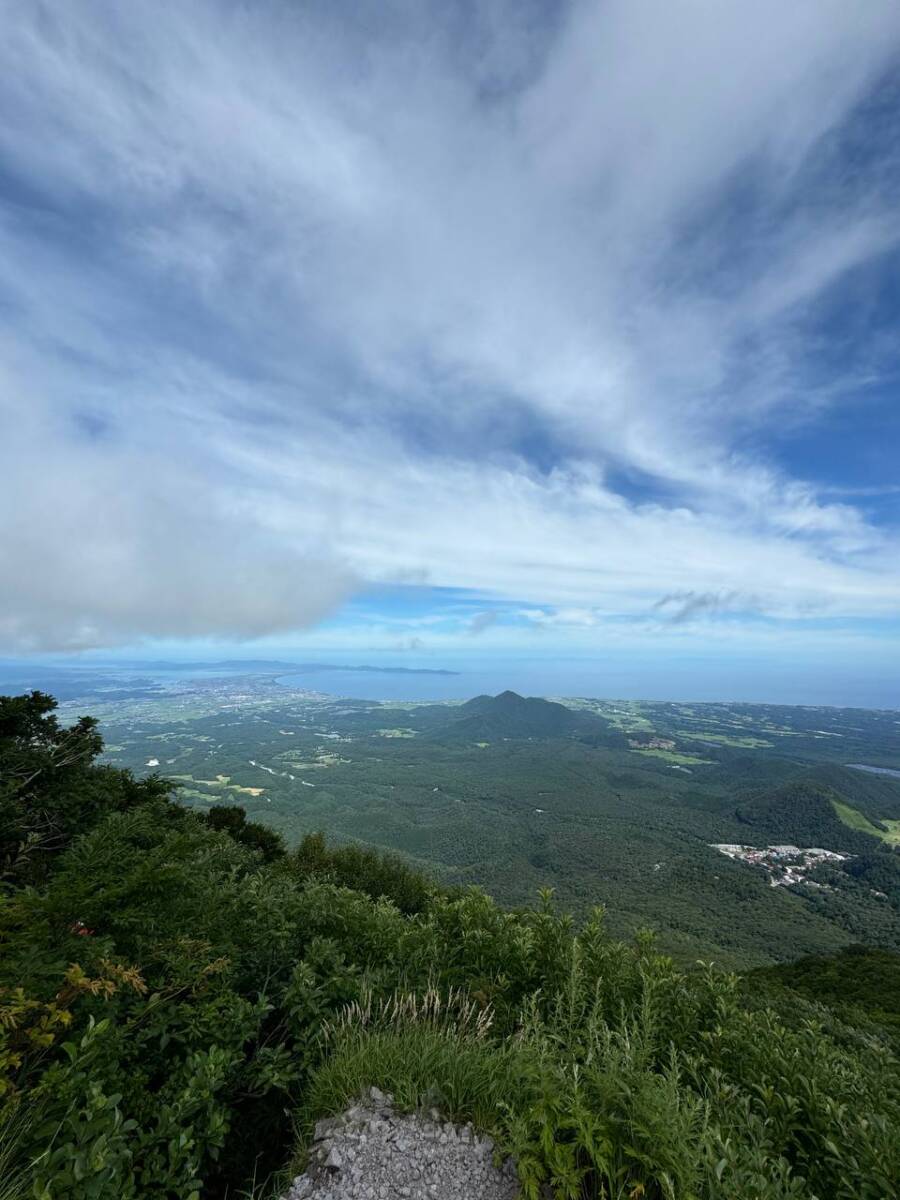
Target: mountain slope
<point>803,813</point>
<point>877,796</point>
<point>509,715</point>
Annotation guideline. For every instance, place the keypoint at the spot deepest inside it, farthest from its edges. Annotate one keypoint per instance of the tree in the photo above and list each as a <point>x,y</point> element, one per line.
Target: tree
<point>51,788</point>
<point>232,819</point>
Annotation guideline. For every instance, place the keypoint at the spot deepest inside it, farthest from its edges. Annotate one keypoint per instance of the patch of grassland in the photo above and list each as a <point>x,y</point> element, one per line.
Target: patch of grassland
<point>220,783</point>
<point>854,819</point>
<point>627,716</point>
<point>672,756</point>
<point>187,793</point>
<point>724,739</point>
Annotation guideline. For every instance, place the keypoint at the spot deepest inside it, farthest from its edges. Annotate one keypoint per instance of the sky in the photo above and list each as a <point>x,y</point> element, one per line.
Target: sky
<point>439,332</point>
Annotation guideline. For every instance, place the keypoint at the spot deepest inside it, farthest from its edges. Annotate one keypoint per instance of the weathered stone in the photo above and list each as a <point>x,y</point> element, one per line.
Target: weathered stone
<point>374,1153</point>
<point>327,1126</point>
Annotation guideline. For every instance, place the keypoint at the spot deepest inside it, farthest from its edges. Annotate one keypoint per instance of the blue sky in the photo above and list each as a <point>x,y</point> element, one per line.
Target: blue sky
<point>451,332</point>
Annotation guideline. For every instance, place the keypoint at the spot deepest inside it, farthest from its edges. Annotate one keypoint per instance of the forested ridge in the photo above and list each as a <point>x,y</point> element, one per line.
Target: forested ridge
<point>801,812</point>
<point>181,997</point>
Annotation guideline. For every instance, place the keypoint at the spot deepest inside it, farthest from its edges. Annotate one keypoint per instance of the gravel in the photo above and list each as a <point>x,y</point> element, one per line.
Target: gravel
<point>371,1152</point>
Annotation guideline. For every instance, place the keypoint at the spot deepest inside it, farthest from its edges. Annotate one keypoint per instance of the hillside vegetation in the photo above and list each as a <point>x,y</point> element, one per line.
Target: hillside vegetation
<point>810,814</point>
<point>510,715</point>
<point>861,983</point>
<point>179,994</point>
<point>612,802</point>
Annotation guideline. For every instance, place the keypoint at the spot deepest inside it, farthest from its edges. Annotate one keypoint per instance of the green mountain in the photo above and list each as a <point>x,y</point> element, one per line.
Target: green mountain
<point>876,796</point>
<point>802,813</point>
<point>509,715</point>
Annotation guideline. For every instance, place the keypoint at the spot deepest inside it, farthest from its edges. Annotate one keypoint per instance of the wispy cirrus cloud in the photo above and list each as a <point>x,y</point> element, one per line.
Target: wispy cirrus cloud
<point>492,299</point>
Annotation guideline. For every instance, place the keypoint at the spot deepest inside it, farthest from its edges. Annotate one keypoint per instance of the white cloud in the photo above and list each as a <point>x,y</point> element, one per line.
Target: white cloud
<point>326,284</point>
<point>100,548</point>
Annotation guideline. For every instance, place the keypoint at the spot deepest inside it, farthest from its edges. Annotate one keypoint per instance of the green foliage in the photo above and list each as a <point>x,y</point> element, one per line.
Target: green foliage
<point>232,819</point>
<point>365,870</point>
<point>803,813</point>
<point>535,801</point>
<point>861,984</point>
<point>173,990</point>
<point>50,788</point>
<point>510,715</point>
<point>467,1079</point>
<point>624,1076</point>
<point>879,870</point>
<point>15,1169</point>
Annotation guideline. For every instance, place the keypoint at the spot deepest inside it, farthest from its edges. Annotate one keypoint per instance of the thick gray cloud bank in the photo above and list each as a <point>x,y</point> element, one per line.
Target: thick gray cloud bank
<point>301,297</point>
<point>104,547</point>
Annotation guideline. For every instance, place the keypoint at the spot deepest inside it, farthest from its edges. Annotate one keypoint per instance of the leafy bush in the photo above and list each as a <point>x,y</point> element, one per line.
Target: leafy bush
<point>366,871</point>
<point>51,789</point>
<point>233,820</point>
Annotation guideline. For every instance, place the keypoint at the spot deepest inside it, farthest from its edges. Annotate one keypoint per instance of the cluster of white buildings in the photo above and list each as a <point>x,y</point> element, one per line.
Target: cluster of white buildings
<point>785,864</point>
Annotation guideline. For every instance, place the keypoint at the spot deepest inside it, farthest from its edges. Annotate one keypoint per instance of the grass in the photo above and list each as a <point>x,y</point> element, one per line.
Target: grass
<point>224,781</point>
<point>426,1051</point>
<point>623,714</point>
<point>854,819</point>
<point>219,784</point>
<point>467,1080</point>
<point>589,1109</point>
<point>725,739</point>
<point>672,756</point>
<point>15,1177</point>
<point>186,793</point>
